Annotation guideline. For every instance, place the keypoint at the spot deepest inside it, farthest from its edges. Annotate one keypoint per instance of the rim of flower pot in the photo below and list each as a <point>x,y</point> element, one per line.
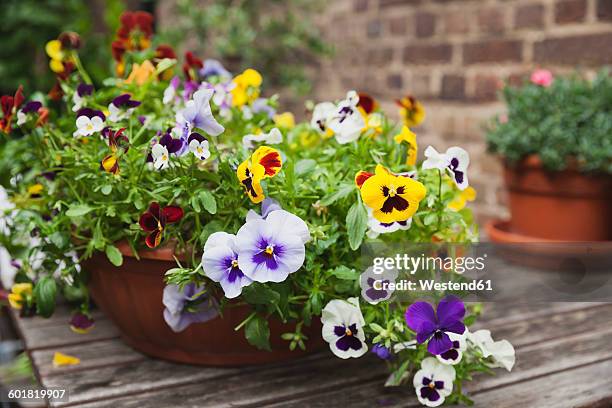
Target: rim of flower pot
<point>534,161</point>
<point>167,252</point>
<point>501,231</point>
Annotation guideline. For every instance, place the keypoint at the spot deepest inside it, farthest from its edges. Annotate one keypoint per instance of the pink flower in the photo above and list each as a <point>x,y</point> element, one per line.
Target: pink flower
<point>542,77</point>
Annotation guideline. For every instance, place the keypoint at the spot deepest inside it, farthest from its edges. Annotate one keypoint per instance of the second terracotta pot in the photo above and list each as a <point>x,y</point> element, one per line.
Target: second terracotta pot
<point>131,296</point>
<point>565,206</point>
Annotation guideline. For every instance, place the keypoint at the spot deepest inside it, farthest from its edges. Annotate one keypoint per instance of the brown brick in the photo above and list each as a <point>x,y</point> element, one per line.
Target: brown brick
<point>592,49</point>
<point>604,10</point>
<point>391,3</point>
<point>380,56</point>
<point>570,11</point>
<point>425,24</point>
<point>419,54</point>
<point>492,51</point>
<point>360,5</point>
<point>398,25</point>
<point>374,28</point>
<point>456,22</point>
<point>491,20</point>
<point>394,81</point>
<point>529,16</point>
<point>421,86</point>
<point>453,87</point>
<point>486,87</point>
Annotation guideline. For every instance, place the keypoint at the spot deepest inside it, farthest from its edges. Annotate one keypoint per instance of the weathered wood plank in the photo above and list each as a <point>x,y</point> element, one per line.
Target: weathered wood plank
<point>93,355</point>
<point>46,337</point>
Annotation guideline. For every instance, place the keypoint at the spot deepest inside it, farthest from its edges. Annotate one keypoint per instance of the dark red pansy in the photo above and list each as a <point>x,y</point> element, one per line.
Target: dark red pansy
<point>191,65</point>
<point>155,219</point>
<point>165,51</point>
<point>367,103</point>
<point>10,104</point>
<point>361,178</point>
<point>70,40</point>
<point>271,162</point>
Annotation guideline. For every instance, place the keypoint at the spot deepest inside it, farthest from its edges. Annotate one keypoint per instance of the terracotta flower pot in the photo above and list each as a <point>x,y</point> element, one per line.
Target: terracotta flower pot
<point>131,296</point>
<point>565,206</point>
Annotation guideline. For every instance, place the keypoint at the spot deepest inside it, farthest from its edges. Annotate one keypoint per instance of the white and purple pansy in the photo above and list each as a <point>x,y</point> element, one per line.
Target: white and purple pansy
<point>373,288</point>
<point>121,107</point>
<point>30,107</point>
<point>220,263</point>
<point>198,145</point>
<point>433,382</point>
<point>321,116</point>
<point>89,121</point>
<point>82,91</point>
<point>267,206</point>
<point>260,105</point>
<point>192,304</point>
<point>375,227</point>
<point>453,355</point>
<point>274,136</point>
<point>347,123</point>
<point>212,68</point>
<point>222,97</point>
<point>197,114</point>
<point>170,95</point>
<point>456,161</point>
<point>161,151</point>
<point>343,328</point>
<point>270,249</point>
<point>501,352</point>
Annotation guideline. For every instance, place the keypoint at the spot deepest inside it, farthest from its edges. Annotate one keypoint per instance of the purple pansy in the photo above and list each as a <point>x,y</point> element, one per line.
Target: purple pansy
<point>382,352</point>
<point>372,289</point>
<point>190,305</point>
<point>270,249</point>
<point>91,113</point>
<point>212,67</point>
<point>82,91</point>
<point>267,206</point>
<point>81,323</point>
<point>89,121</point>
<point>260,105</point>
<point>433,382</point>
<point>433,326</point>
<point>343,328</point>
<point>121,106</point>
<point>197,114</point>
<point>220,263</point>
<point>170,91</point>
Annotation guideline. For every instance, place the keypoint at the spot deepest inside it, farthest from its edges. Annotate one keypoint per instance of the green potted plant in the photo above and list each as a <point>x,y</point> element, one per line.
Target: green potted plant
<point>213,230</point>
<point>556,148</point>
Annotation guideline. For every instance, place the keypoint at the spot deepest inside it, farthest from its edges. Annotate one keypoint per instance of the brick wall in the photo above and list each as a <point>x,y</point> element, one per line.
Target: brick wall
<point>453,55</point>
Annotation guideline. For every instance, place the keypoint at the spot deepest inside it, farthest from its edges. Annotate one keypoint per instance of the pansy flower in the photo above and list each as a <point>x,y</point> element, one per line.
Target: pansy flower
<point>411,111</point>
<point>408,137</point>
<point>81,323</point>
<point>220,263</point>
<point>284,120</point>
<point>272,248</point>
<point>371,284</point>
<point>183,307</point>
<point>222,97</point>
<point>170,91</point>
<point>10,105</point>
<point>382,352</point>
<point>198,145</point>
<point>261,105</point>
<point>264,162</point>
<point>321,117</point>
<point>197,114</point>
<point>367,106</point>
<point>78,97</point>
<point>459,202</point>
<point>433,382</point>
<point>136,30</point>
<point>20,296</point>
<point>274,136</point>
<point>214,68</point>
<point>162,149</point>
<point>59,51</point>
<point>141,73</point>
<point>121,107</point>
<point>89,121</point>
<point>456,161</point>
<point>116,140</point>
<point>375,227</point>
<point>247,87</point>
<point>453,355</point>
<point>343,328</point>
<point>433,327</point>
<point>155,219</point>
<point>392,197</point>
<point>28,108</point>
<point>500,352</point>
<point>347,123</point>
<point>192,66</point>
<point>163,52</point>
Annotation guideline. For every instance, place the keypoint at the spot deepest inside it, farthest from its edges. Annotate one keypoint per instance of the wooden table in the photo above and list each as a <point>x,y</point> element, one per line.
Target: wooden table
<point>564,359</point>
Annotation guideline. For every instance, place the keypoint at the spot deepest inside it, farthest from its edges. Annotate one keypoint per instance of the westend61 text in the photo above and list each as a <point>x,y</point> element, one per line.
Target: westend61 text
<point>430,285</point>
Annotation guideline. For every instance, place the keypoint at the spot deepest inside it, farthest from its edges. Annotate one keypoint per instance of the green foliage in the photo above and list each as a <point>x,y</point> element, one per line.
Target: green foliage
<point>278,38</point>
<point>257,332</point>
<point>570,120</point>
<point>45,293</point>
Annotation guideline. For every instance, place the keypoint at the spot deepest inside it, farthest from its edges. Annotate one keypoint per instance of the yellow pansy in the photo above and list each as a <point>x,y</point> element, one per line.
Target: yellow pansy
<point>408,136</point>
<point>61,359</point>
<point>411,111</point>
<point>19,293</point>
<point>309,138</point>
<point>35,190</point>
<point>246,88</point>
<point>55,52</point>
<point>141,73</point>
<point>459,202</point>
<point>391,197</point>
<point>284,120</point>
<point>373,121</point>
<point>264,162</point>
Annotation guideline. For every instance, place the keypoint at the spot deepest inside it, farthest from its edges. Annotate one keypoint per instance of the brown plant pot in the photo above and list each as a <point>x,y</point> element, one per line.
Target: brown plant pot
<point>131,296</point>
<point>565,206</point>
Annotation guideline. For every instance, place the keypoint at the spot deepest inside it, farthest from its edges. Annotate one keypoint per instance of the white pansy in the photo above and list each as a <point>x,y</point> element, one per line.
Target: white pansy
<point>343,328</point>
<point>274,136</point>
<point>199,149</point>
<point>501,352</point>
<point>77,101</point>
<point>7,268</point>
<point>454,355</point>
<point>161,158</point>
<point>433,382</point>
<point>375,227</point>
<point>347,122</point>
<point>322,115</point>
<point>456,161</point>
<point>169,94</point>
<point>87,126</point>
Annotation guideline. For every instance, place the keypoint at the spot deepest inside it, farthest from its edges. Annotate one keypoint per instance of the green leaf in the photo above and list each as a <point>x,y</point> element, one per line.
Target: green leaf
<point>114,255</point>
<point>356,224</point>
<point>44,293</point>
<point>340,193</point>
<point>208,201</point>
<point>164,65</point>
<point>257,333</point>
<point>78,210</point>
<point>343,272</point>
<point>305,166</point>
<point>106,189</point>
<point>259,294</point>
